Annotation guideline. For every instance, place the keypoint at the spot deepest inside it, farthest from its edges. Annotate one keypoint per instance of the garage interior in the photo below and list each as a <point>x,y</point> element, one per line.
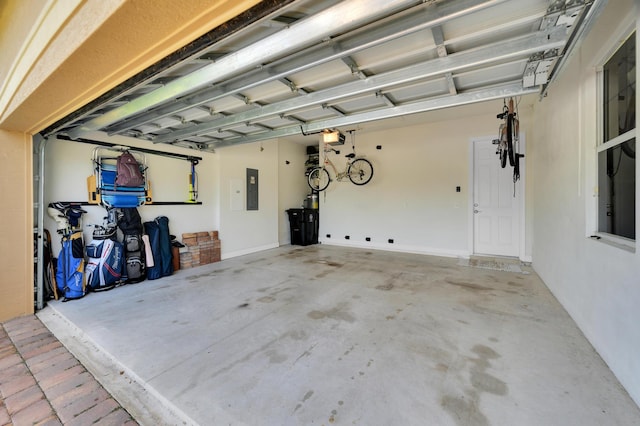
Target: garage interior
<point>402,314</point>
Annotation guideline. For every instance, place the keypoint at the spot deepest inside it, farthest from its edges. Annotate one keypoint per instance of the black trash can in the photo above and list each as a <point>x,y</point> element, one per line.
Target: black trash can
<point>310,226</point>
<point>304,224</point>
<point>295,224</point>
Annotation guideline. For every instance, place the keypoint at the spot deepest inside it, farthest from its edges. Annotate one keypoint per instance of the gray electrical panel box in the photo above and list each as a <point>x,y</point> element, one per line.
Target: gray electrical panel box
<point>252,189</point>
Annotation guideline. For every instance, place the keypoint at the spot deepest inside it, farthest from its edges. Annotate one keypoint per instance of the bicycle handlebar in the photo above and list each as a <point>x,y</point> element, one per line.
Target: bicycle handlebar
<point>328,149</point>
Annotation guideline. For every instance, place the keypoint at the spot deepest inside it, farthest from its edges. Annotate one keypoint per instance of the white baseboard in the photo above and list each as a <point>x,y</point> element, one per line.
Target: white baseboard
<point>398,248</point>
<point>248,251</point>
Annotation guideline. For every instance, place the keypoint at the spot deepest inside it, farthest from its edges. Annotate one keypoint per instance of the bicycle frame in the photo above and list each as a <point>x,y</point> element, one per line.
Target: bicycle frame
<point>339,176</point>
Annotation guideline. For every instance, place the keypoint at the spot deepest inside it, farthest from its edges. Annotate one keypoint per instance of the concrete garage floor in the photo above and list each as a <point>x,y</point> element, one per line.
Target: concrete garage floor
<point>329,335</point>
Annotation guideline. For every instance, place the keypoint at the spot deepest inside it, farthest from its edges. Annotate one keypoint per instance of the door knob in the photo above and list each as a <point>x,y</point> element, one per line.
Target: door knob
<point>476,211</point>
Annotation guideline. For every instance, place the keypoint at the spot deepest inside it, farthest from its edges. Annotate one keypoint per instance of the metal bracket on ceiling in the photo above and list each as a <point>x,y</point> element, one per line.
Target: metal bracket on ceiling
<point>538,68</point>
<point>541,65</point>
<point>592,9</point>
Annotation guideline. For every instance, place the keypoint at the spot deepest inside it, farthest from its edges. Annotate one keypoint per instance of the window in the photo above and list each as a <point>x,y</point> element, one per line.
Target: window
<point>617,153</point>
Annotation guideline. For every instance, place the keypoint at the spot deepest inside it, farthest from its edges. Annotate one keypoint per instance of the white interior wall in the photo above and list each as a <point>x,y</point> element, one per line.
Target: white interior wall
<point>292,184</point>
<point>412,197</point>
<point>243,231</point>
<point>68,164</point>
<point>281,186</point>
<point>597,283</point>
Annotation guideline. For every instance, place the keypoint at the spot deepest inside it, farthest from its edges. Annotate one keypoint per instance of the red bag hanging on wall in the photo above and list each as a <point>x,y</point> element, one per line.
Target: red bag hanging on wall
<point>128,171</point>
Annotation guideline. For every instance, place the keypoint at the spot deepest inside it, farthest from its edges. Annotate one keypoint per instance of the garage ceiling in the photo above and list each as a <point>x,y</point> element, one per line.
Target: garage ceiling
<point>324,64</point>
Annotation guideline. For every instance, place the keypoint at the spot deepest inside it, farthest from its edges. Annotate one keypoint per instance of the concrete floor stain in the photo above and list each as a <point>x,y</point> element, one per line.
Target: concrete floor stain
<point>468,285</point>
<point>325,262</point>
<point>275,357</point>
<point>205,275</point>
<point>336,313</point>
<point>484,382</point>
<point>442,367</point>
<point>386,286</point>
<point>464,412</point>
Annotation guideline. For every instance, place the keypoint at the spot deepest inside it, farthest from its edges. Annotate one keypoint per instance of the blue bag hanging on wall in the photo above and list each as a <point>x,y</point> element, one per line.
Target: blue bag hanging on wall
<point>160,241</point>
<point>165,246</point>
<point>70,275</point>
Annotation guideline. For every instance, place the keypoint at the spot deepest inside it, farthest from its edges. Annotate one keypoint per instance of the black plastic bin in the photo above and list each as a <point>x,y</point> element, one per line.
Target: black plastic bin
<point>304,226</point>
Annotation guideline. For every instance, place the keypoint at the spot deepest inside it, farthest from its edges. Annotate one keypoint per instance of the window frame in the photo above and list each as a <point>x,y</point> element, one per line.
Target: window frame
<point>602,145</point>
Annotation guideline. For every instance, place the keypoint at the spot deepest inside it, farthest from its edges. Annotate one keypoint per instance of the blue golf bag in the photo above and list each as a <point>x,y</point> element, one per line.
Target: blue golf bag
<point>70,274</point>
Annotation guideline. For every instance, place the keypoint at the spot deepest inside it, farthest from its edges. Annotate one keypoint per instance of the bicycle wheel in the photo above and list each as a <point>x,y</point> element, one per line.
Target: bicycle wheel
<point>510,129</point>
<point>502,145</point>
<point>318,179</point>
<point>360,171</point>
<point>503,158</point>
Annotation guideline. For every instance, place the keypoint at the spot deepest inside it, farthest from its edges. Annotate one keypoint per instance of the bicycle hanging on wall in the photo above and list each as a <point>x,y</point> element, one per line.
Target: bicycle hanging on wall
<point>508,139</point>
<point>358,169</point>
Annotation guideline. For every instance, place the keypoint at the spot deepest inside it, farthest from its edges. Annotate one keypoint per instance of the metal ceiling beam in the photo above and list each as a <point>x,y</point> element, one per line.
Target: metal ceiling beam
<point>385,98</point>
<point>262,10</point>
<point>261,126</point>
<point>417,18</point>
<point>441,49</point>
<point>496,92</point>
<point>292,118</point>
<point>495,52</point>
<point>337,19</point>
<point>247,101</point>
<point>353,67</point>
<point>333,109</point>
<point>235,132</point>
<point>290,84</point>
<point>498,28</point>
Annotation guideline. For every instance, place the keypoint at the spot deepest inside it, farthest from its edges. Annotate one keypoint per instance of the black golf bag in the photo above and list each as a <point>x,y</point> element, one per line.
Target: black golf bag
<point>130,224</point>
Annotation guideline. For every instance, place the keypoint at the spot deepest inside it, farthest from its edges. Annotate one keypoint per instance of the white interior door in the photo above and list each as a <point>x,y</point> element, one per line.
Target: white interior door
<point>496,212</point>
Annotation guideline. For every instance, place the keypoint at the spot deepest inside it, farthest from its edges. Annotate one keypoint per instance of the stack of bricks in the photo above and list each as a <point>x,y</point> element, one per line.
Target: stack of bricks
<point>201,248</point>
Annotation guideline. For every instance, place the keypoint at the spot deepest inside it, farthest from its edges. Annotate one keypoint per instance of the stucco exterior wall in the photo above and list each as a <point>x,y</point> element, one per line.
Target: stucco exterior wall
<point>16,247</point>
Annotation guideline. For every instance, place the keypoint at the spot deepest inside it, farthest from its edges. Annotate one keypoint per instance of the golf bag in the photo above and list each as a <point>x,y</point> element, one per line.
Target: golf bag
<point>70,274</point>
<point>70,278</point>
<point>105,265</point>
<point>130,224</point>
